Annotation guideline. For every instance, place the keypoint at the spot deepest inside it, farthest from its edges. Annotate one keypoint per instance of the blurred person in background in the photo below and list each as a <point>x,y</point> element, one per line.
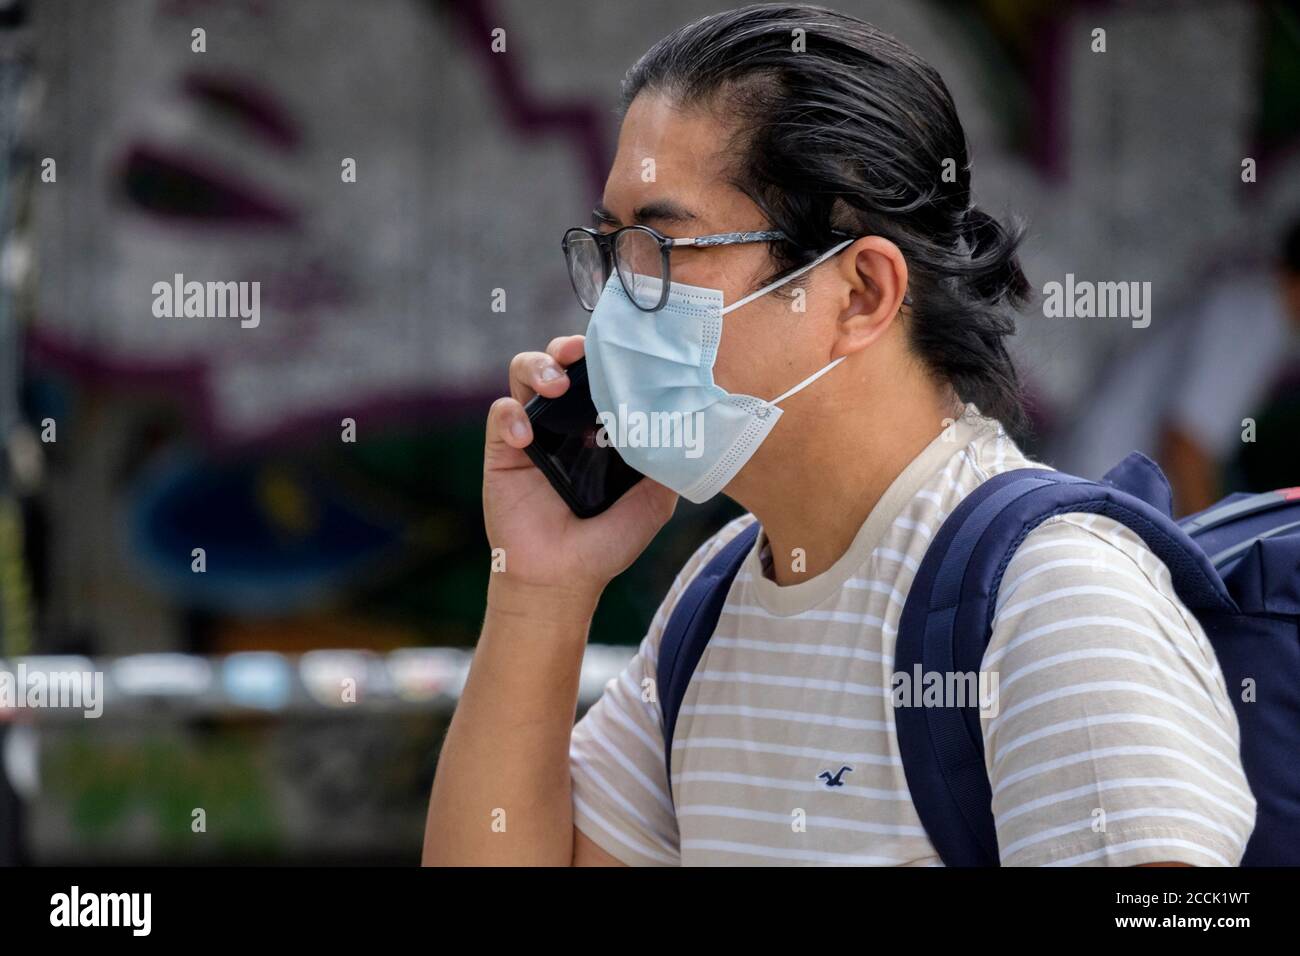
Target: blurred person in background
<point>1238,372</point>
<point>908,292</point>
<point>1209,393</point>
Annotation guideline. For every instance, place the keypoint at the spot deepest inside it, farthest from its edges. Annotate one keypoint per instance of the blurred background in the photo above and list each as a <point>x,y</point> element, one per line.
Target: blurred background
<point>328,462</point>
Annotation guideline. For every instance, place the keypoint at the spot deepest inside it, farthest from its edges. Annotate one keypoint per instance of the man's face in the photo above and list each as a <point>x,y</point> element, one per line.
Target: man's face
<point>671,175</point>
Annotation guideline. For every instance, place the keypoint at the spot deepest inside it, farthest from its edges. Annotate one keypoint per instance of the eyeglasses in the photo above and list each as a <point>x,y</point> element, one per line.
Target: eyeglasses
<point>640,256</point>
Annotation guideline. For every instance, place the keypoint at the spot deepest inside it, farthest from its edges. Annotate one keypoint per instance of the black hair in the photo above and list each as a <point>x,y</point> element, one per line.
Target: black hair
<point>855,132</point>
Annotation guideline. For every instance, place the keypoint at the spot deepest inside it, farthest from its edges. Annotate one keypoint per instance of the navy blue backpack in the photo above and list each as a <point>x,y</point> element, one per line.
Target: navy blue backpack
<point>1236,566</point>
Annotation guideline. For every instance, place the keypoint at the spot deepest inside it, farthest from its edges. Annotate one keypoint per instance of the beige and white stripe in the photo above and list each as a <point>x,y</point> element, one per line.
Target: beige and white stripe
<point>1115,742</point>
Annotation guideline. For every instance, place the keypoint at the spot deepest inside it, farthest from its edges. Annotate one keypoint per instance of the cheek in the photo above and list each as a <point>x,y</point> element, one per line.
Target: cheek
<point>733,360</point>
<point>733,269</point>
<point>762,346</point>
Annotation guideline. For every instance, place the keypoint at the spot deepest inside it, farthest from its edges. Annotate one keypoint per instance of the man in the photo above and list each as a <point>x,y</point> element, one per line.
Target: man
<point>1115,742</point>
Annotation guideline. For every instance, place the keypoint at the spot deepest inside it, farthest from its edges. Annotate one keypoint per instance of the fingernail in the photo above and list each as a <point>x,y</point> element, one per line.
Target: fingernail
<point>518,428</point>
<point>550,373</point>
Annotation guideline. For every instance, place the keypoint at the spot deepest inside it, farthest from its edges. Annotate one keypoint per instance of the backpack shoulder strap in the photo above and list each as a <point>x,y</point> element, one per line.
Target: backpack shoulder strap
<point>947,623</point>
<point>689,628</point>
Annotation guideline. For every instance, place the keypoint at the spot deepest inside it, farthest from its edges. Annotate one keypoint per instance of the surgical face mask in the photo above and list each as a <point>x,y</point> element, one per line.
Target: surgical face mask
<point>651,376</point>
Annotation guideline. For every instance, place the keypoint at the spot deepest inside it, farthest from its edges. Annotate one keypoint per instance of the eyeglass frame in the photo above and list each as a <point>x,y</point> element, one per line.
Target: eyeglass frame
<point>605,243</point>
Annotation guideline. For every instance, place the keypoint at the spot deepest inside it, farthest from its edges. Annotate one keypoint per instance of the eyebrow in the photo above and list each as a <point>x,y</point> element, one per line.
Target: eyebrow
<point>660,210</point>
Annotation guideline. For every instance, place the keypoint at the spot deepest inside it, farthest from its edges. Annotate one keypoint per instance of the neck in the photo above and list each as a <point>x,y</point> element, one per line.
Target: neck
<point>821,482</point>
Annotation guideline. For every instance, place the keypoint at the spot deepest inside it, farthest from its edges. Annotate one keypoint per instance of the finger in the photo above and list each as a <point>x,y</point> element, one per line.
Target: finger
<point>646,503</point>
<point>536,373</point>
<point>658,499</point>
<point>508,432</point>
<point>567,349</point>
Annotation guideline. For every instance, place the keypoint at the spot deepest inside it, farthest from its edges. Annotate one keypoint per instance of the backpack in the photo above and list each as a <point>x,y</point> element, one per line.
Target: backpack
<point>1235,565</point>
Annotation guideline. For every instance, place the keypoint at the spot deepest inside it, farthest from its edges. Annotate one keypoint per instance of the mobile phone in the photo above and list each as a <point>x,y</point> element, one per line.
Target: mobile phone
<point>589,476</point>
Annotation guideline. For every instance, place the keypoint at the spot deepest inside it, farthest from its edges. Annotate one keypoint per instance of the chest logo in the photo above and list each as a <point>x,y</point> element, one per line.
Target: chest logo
<point>835,779</point>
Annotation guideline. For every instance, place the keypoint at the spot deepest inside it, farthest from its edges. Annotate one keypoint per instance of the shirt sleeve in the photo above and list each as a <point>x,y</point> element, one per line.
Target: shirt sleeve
<point>1113,740</point>
<point>616,752</point>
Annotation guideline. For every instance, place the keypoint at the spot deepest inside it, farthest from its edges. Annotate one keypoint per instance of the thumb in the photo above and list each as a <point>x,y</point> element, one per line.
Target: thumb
<point>508,433</point>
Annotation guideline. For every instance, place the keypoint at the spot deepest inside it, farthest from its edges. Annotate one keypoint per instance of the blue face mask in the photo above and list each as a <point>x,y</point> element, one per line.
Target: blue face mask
<point>651,376</point>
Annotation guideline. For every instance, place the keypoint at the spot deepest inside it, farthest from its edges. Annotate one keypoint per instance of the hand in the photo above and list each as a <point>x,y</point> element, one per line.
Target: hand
<point>545,544</point>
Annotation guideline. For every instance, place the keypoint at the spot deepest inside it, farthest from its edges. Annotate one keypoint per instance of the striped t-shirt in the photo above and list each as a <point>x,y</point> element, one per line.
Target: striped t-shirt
<point>1114,740</point>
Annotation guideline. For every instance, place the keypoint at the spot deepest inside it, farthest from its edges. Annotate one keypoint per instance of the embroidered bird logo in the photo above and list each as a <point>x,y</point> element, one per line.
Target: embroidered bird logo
<point>834,779</point>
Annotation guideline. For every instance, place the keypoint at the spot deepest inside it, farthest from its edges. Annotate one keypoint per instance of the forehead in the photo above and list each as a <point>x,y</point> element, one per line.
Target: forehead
<point>674,155</point>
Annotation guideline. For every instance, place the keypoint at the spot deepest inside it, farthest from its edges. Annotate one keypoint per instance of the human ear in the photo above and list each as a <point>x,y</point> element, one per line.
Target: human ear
<point>874,276</point>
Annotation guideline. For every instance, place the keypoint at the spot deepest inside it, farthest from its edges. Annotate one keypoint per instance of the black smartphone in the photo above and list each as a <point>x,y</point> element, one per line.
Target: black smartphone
<point>587,475</point>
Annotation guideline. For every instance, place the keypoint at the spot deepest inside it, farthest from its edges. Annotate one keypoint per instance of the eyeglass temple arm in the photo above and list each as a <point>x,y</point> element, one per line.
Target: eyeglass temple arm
<point>728,239</point>
<point>732,238</point>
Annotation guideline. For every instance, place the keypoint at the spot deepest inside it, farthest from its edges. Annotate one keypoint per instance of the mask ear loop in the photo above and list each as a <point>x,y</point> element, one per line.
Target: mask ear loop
<point>793,275</point>
<point>806,382</point>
